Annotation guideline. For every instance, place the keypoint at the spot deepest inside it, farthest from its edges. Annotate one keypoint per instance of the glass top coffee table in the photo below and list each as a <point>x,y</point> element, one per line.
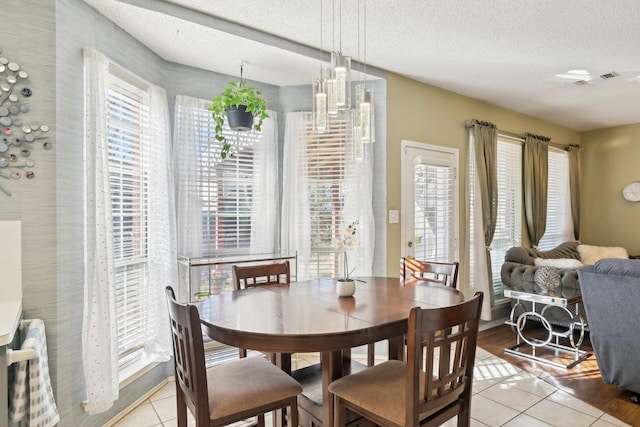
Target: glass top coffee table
<point>548,350</point>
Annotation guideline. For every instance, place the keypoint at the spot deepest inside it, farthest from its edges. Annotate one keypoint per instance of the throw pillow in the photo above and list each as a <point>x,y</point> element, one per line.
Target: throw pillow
<point>557,262</point>
<point>592,254</point>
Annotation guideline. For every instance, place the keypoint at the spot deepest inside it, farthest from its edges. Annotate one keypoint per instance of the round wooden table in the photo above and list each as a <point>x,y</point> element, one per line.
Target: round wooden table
<point>308,316</point>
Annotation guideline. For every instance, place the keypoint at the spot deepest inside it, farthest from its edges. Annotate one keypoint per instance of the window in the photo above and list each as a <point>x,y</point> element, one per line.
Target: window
<point>326,160</point>
<point>224,188</point>
<point>324,190</point>
<point>128,138</point>
<point>225,206</point>
<point>508,230</point>
<point>559,226</point>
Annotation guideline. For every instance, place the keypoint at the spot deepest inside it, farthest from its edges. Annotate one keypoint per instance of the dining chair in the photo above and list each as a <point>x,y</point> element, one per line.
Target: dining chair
<point>430,271</point>
<point>247,276</point>
<point>432,386</point>
<point>414,269</point>
<point>225,393</point>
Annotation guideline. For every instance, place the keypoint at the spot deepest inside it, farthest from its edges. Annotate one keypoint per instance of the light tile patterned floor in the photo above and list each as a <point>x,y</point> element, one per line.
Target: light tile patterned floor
<point>504,395</point>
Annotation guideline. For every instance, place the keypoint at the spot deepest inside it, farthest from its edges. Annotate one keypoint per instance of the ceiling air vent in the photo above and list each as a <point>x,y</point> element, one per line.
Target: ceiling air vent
<point>608,76</point>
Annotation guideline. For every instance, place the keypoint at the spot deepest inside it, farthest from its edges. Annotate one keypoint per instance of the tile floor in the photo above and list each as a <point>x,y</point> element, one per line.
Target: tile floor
<point>504,395</point>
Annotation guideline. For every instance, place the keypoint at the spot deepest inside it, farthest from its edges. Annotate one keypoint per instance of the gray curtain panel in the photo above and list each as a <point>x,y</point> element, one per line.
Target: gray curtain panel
<point>485,142</point>
<point>574,183</point>
<point>536,179</point>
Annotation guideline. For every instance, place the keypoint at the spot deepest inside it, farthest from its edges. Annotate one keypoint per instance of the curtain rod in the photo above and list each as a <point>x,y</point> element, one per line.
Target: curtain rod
<point>522,138</point>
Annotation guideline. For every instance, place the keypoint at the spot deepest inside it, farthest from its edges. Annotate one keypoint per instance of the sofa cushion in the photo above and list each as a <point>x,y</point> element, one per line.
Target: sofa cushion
<point>592,254</point>
<point>618,267</point>
<point>557,262</point>
<point>522,255</point>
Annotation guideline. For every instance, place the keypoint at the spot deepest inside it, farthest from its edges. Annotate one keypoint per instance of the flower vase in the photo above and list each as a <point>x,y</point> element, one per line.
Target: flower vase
<point>345,287</point>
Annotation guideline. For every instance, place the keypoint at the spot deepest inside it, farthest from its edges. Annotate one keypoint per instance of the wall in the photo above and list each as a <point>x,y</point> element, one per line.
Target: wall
<point>609,162</point>
<point>424,113</point>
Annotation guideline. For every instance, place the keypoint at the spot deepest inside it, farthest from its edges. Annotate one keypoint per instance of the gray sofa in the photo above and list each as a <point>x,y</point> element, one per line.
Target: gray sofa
<point>519,268</point>
<point>611,294</point>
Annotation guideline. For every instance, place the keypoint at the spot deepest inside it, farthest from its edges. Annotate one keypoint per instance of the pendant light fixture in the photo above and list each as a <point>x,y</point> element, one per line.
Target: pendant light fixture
<point>320,95</point>
<point>341,66</point>
<point>365,114</point>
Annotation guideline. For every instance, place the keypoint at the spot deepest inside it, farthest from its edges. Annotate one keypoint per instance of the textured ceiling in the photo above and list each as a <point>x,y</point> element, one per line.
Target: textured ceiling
<point>506,52</point>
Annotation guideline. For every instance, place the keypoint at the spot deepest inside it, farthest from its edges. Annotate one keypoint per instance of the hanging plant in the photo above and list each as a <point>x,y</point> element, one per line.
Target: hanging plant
<point>237,99</point>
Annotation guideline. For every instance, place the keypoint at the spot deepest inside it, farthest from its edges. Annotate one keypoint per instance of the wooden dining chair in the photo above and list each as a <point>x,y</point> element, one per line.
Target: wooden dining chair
<point>246,276</point>
<point>445,273</point>
<point>430,271</point>
<point>225,393</point>
<point>432,386</point>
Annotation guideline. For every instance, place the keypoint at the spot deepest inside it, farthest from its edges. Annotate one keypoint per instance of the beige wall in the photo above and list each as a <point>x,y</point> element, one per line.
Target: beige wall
<point>423,113</point>
<point>610,160</point>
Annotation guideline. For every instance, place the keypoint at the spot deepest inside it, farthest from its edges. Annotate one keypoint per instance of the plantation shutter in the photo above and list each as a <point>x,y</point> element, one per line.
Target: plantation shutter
<point>128,125</point>
<point>434,211</point>
<point>559,221</point>
<point>326,156</point>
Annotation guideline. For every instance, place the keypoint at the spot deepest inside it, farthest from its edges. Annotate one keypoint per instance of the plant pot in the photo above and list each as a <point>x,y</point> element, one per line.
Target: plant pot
<point>345,288</point>
<point>239,119</point>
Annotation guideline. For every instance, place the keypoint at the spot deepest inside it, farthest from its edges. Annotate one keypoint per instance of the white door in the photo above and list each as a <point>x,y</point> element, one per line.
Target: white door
<point>429,202</point>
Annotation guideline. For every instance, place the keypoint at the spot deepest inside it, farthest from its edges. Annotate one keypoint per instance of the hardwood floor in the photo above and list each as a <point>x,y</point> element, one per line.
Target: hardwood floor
<point>583,380</point>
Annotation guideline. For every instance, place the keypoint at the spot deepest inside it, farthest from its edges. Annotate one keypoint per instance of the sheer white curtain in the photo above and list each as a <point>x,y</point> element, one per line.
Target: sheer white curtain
<point>99,333</point>
<point>162,269</point>
<point>358,205</point>
<point>264,209</point>
<point>99,343</point>
<point>296,222</point>
<point>357,186</point>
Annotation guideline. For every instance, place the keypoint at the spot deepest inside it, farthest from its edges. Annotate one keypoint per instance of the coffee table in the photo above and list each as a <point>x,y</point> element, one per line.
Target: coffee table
<point>560,299</point>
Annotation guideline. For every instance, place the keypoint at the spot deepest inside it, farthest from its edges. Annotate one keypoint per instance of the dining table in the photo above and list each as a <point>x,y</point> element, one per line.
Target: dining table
<point>309,316</point>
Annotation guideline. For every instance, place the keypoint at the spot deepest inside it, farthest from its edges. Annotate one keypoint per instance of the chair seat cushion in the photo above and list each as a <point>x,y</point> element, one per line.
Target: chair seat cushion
<point>379,389</point>
<point>247,383</point>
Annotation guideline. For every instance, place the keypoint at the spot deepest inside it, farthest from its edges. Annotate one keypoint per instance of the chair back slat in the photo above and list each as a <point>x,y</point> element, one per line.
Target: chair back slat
<point>188,351</point>
<point>446,338</point>
<point>430,271</point>
<point>260,275</point>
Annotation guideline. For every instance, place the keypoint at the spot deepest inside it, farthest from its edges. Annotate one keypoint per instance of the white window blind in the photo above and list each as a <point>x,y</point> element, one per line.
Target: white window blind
<point>223,188</point>
<point>508,230</point>
<point>326,156</point>
<point>559,222</point>
<point>434,211</point>
<point>128,128</point>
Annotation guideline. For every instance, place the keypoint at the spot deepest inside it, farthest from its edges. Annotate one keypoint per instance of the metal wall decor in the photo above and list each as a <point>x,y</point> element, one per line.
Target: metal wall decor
<point>18,140</point>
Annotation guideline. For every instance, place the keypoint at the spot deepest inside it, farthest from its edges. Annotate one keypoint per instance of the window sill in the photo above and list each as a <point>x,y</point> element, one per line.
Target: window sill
<point>133,372</point>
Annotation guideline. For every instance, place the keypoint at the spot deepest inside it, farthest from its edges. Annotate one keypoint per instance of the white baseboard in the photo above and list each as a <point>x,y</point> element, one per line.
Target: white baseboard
<point>138,402</point>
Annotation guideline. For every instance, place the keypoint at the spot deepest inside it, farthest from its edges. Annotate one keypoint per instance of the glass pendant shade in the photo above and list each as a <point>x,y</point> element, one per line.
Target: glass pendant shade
<point>365,112</point>
<point>332,108</point>
<point>319,105</point>
<point>342,74</point>
<point>358,145</point>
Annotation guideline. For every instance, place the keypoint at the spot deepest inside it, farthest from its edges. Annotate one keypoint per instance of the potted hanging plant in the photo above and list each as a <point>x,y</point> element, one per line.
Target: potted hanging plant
<point>238,103</point>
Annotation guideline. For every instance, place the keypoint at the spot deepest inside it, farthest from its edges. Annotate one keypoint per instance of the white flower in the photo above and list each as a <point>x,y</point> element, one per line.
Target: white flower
<point>346,240</point>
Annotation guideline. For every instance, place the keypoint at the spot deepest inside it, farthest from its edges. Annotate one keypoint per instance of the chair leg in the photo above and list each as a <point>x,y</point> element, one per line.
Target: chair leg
<point>464,417</point>
<point>242,352</point>
<point>181,408</point>
<point>293,412</point>
<point>371,354</point>
<point>339,412</point>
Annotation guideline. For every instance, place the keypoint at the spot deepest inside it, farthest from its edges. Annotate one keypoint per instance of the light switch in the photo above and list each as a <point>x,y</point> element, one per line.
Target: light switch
<point>394,216</point>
